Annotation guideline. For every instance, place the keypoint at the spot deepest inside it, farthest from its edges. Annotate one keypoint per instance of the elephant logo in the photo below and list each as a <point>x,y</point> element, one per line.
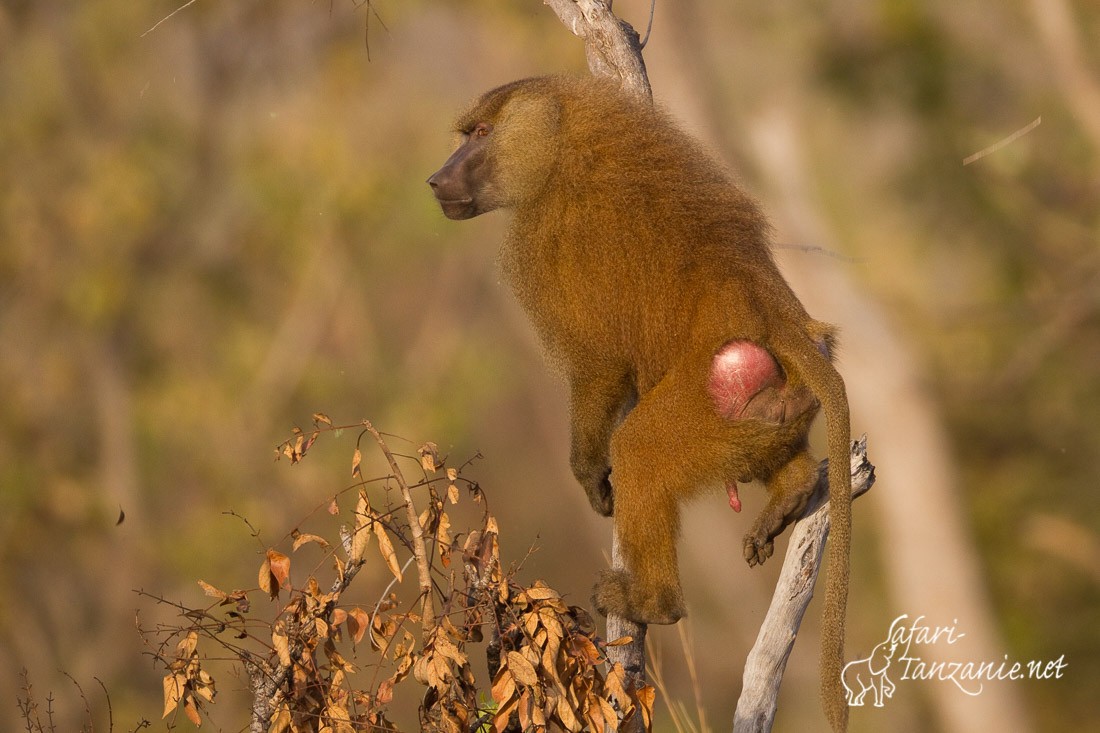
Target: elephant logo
<point>861,676</point>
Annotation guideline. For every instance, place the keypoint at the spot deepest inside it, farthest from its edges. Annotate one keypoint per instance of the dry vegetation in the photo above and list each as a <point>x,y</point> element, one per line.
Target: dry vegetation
<point>211,230</point>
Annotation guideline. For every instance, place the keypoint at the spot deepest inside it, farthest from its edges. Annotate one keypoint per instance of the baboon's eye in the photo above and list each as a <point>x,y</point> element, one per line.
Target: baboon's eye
<point>482,129</point>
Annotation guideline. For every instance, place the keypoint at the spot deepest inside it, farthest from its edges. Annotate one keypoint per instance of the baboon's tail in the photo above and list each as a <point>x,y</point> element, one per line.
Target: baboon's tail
<point>799,352</point>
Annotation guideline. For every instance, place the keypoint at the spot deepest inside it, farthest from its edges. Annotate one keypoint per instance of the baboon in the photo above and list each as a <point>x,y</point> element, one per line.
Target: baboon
<point>691,364</point>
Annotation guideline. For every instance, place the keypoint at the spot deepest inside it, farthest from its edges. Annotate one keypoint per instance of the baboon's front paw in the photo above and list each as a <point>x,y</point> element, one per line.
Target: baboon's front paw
<point>616,595</point>
<point>601,496</point>
<point>597,485</point>
<point>757,548</point>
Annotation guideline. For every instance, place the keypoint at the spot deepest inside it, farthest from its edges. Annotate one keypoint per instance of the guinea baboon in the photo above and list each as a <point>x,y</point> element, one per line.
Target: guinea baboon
<point>690,362</point>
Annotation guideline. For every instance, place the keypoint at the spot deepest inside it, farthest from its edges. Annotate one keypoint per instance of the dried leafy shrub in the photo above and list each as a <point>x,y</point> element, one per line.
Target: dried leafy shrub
<point>545,662</point>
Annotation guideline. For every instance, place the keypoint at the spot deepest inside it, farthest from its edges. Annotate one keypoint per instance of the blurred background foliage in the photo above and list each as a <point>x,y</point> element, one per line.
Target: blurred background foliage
<point>215,228</point>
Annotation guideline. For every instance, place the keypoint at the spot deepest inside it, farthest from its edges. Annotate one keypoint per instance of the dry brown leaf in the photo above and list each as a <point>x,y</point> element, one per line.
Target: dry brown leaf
<point>621,641</point>
<point>530,709</point>
<point>446,649</point>
<point>404,666</point>
<point>174,685</point>
<point>565,714</point>
<point>541,592</point>
<point>443,530</point>
<point>204,686</point>
<point>420,669</point>
<point>310,442</point>
<point>187,645</point>
<point>358,621</point>
<point>356,459</point>
<point>278,566</point>
<point>503,712</point>
<point>339,566</point>
<point>600,714</point>
<point>333,507</point>
<point>439,672</point>
<point>212,591</point>
<point>361,538</point>
<point>281,643</point>
<point>615,686</point>
<point>192,712</point>
<point>386,548</point>
<point>280,722</point>
<point>646,697</point>
<point>339,677</point>
<point>522,669</point>
<point>504,686</point>
<point>338,714</point>
<point>322,418</point>
<point>549,659</point>
<point>429,457</point>
<point>551,623</point>
<point>385,692</point>
<point>583,646</point>
<point>524,710</point>
<point>594,717</point>
<point>432,670</point>
<point>445,556</point>
<point>381,631</point>
<point>302,539</point>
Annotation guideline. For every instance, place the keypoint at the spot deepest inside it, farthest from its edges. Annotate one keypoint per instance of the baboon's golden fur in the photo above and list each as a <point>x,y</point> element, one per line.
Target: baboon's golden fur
<point>638,258</point>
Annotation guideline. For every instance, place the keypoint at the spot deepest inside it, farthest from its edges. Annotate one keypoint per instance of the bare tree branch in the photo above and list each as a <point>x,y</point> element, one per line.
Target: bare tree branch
<point>611,45</point>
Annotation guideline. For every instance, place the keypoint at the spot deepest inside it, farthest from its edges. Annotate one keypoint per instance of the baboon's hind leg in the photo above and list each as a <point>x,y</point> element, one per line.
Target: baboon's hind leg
<point>789,490</point>
<point>662,454</point>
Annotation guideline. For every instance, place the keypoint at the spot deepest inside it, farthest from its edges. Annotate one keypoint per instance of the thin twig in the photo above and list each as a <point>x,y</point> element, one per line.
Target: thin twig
<point>84,698</point>
<point>687,644</point>
<point>649,26</point>
<point>110,710</point>
<point>423,570</point>
<point>386,591</point>
<point>1006,141</point>
<point>181,7</point>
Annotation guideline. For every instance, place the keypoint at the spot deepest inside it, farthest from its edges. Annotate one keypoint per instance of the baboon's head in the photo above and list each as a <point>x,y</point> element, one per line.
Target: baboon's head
<point>508,144</point>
